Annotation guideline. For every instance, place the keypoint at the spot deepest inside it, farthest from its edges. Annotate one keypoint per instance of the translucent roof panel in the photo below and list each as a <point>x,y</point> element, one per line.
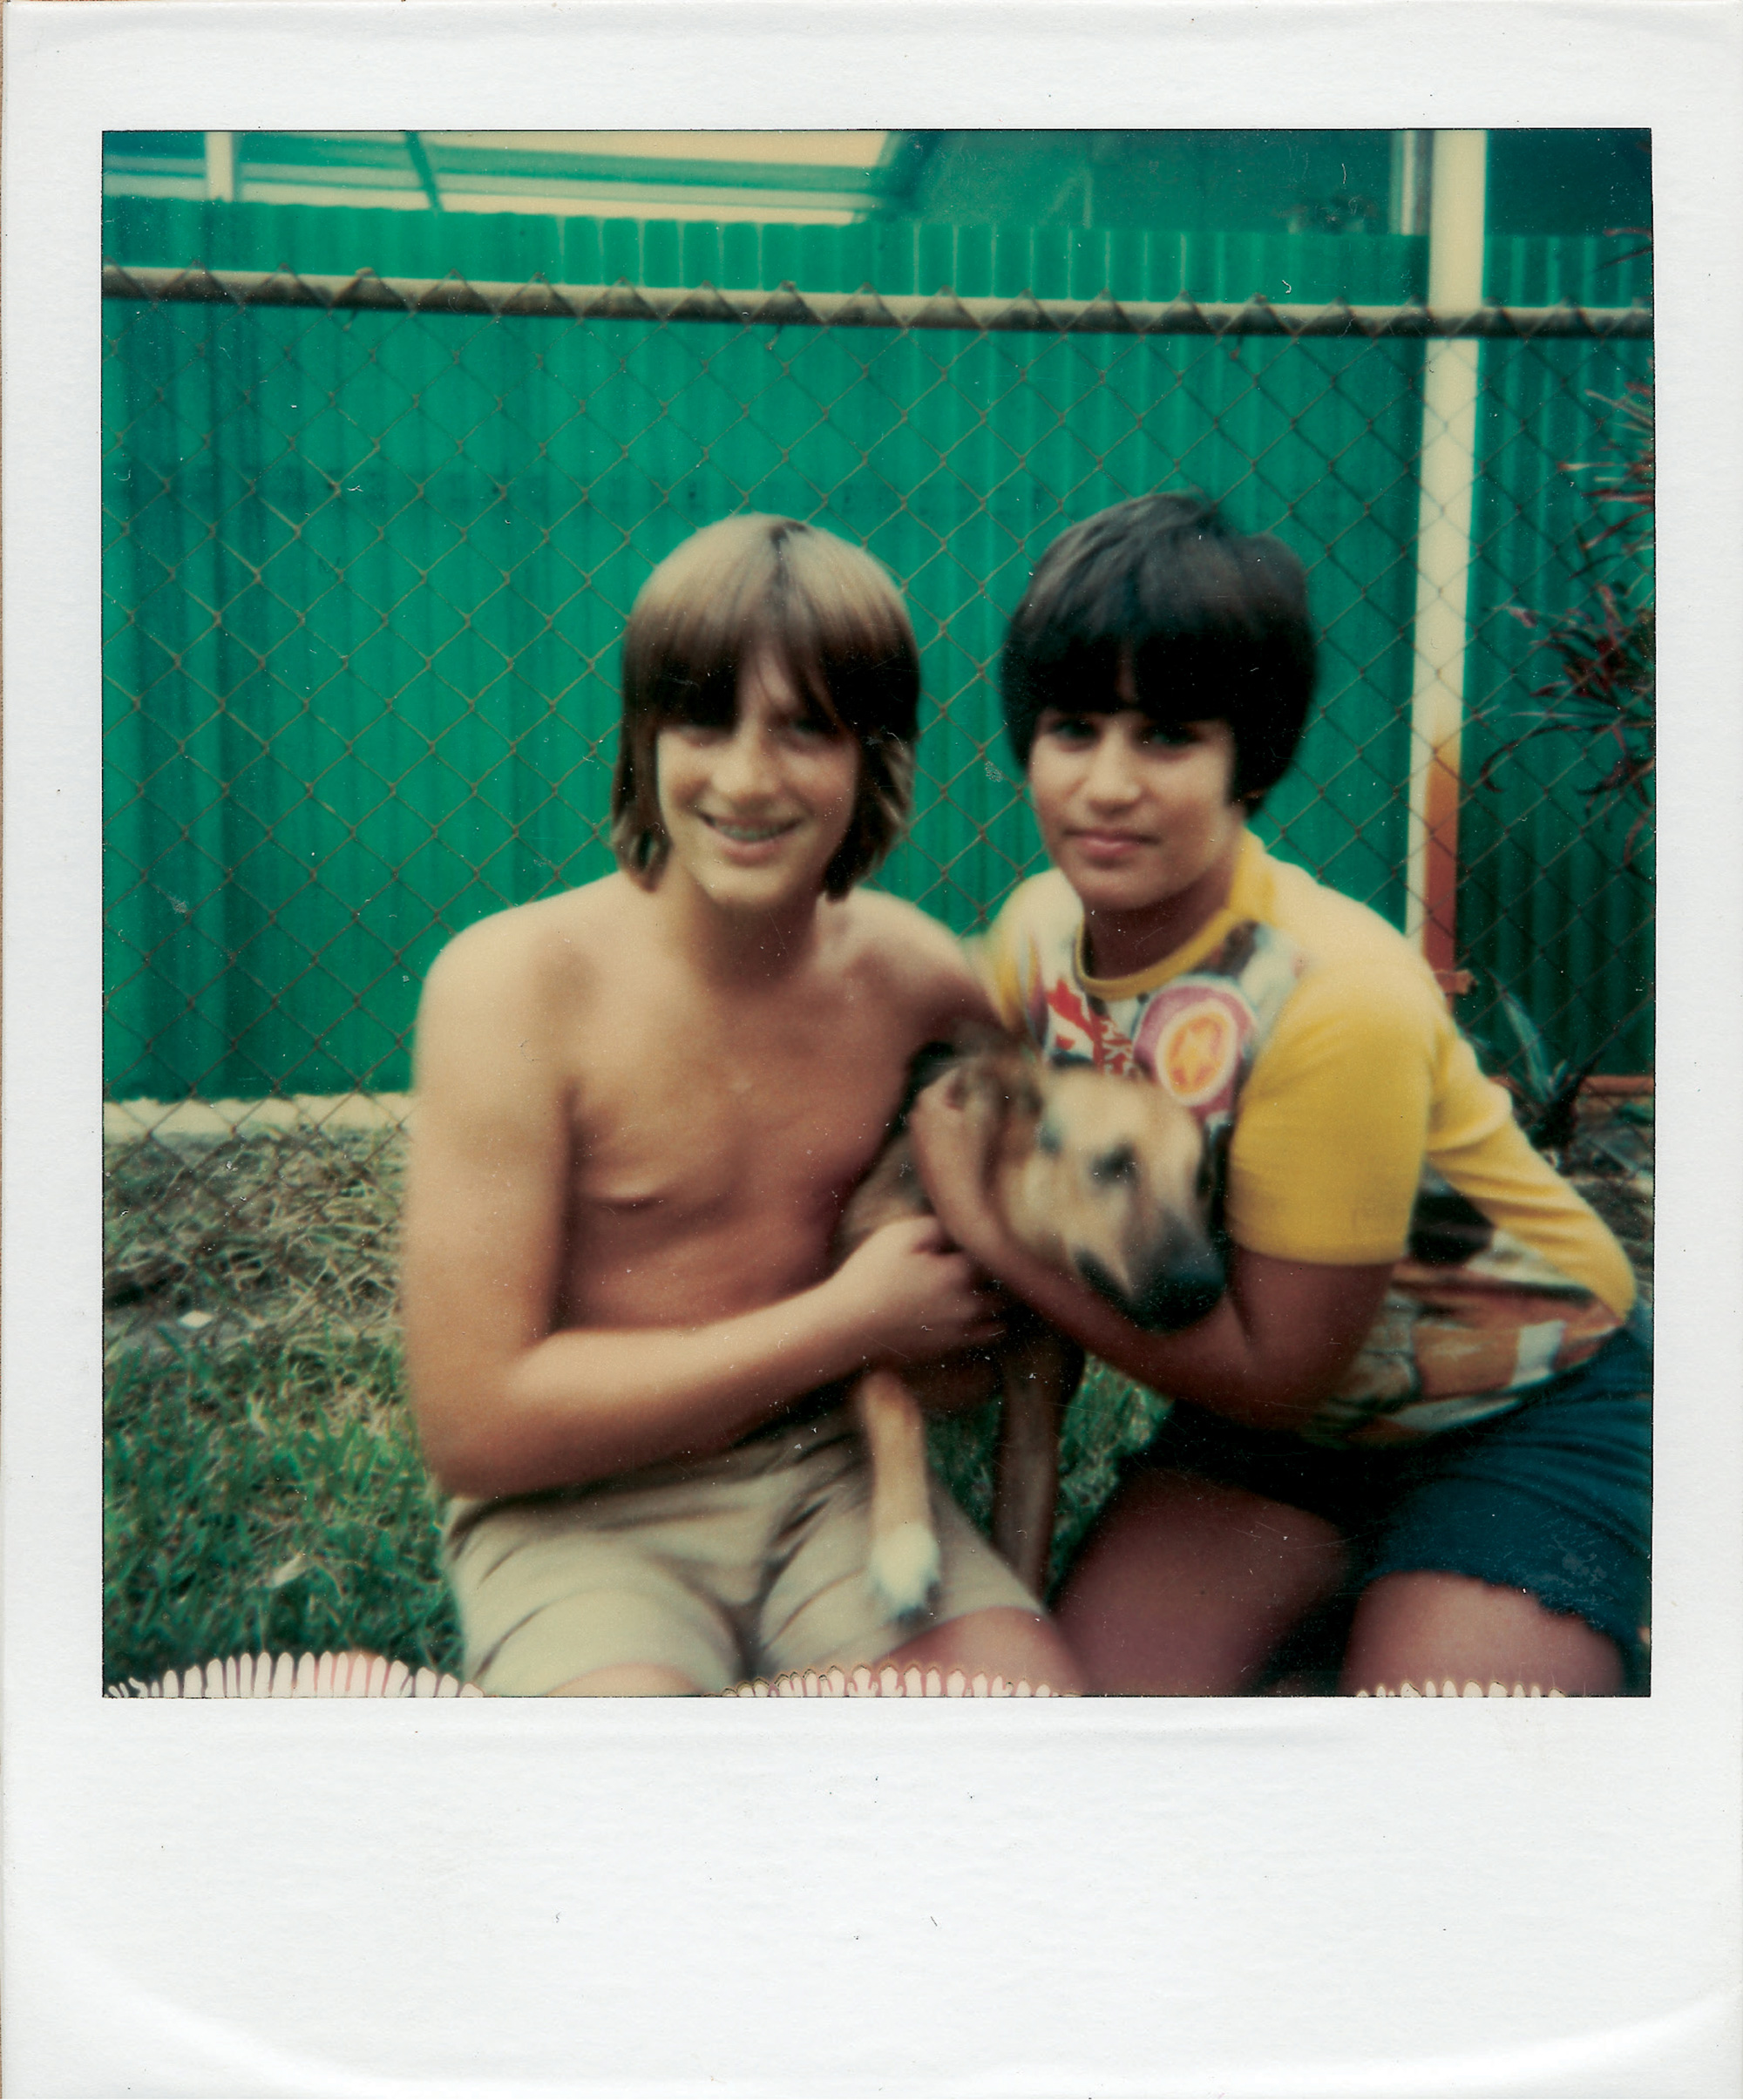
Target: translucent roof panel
<point>829,178</point>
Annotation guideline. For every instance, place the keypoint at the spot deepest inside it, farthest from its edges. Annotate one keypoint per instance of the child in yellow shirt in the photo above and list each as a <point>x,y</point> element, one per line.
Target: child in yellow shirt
<point>1422,1399</point>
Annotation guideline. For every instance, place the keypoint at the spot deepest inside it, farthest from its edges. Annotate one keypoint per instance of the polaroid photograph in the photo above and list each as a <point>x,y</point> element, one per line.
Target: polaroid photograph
<point>808,911</point>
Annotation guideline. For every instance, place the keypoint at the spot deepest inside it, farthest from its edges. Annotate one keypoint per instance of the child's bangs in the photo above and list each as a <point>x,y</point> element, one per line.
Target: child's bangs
<point>789,627</point>
<point>1080,673</point>
<point>757,612</point>
<point>698,698</point>
<point>704,694</point>
<point>1186,677</point>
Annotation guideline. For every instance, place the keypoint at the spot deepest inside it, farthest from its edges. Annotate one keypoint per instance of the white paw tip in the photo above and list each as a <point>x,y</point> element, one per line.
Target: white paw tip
<point>904,1568</point>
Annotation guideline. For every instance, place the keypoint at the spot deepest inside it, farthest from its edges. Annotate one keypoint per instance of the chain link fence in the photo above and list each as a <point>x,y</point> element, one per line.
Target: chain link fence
<point>370,549</point>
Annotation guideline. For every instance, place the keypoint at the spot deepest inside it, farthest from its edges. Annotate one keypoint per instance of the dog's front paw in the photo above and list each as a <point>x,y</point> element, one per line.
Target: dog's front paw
<point>904,1568</point>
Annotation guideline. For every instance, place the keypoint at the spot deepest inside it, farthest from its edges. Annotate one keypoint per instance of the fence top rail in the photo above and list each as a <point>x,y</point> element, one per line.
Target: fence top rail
<point>787,307</point>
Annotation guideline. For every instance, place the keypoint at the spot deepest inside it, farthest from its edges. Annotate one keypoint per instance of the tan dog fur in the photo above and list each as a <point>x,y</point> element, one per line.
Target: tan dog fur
<point>1090,1173</point>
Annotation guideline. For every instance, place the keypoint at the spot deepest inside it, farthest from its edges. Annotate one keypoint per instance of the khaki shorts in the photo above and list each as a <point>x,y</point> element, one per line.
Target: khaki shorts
<point>739,1566</point>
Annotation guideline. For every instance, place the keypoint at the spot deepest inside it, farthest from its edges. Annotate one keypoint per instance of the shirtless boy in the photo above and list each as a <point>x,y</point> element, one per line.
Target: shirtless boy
<point>641,1107</point>
<point>1420,1403</point>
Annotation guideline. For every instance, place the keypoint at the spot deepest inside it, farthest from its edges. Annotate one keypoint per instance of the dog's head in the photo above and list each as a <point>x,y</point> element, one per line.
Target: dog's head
<point>1107,1178</point>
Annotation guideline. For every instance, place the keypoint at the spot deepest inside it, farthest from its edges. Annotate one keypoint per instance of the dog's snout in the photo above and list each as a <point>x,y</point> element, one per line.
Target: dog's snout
<point>1102,1280</point>
<point>1176,1294</point>
<point>1182,1292</point>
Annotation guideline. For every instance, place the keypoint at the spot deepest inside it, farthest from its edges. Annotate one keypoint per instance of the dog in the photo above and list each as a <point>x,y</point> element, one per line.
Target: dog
<point>1107,1179</point>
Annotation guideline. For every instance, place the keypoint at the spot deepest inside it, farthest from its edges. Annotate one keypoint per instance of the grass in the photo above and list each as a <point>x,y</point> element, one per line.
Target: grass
<point>266,1496</point>
<point>262,1485</point>
<point>1108,1418</point>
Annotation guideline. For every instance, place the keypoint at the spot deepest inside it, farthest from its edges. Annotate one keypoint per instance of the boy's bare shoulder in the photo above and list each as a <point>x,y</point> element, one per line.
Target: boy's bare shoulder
<point>530,952</point>
<point>911,959</point>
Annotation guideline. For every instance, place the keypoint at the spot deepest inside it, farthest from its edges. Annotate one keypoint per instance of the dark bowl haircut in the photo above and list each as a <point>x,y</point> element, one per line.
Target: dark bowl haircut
<point>835,622</point>
<point>1213,622</point>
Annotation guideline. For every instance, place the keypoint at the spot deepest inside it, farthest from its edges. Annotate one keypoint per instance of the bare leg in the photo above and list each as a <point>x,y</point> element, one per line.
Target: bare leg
<point>1187,1586</point>
<point>627,1681</point>
<point>1415,1627</point>
<point>1002,1641</point>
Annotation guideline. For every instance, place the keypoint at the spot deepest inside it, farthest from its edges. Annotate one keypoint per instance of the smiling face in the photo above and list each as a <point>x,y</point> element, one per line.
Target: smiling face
<point>1137,816</point>
<point>757,811</point>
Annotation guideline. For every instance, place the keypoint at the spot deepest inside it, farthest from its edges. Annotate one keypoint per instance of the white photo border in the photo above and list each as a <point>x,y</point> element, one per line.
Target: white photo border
<point>830,1897</point>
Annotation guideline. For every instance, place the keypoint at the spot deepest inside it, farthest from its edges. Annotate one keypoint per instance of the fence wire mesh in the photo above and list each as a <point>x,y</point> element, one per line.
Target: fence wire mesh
<point>369,550</point>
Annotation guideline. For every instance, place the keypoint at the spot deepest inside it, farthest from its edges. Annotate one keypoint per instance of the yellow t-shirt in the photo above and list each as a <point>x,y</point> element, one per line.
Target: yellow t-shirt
<point>1313,1043</point>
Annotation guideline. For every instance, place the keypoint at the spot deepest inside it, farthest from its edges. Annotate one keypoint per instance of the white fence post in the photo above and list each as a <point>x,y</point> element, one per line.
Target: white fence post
<point>220,166</point>
<point>1448,490</point>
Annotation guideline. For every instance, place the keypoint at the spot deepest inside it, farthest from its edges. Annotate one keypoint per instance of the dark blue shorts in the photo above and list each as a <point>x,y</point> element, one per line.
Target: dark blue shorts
<point>1554,1497</point>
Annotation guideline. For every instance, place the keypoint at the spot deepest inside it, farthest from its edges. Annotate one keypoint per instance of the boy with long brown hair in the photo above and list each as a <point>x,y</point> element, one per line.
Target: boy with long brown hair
<point>641,1107</point>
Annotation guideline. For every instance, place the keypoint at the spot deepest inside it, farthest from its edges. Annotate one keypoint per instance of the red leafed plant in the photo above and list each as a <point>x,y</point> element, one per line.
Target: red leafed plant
<point>1603,685</point>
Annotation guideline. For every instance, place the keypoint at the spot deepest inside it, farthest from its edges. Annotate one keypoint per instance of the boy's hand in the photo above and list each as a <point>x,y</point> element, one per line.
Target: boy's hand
<point>921,1298</point>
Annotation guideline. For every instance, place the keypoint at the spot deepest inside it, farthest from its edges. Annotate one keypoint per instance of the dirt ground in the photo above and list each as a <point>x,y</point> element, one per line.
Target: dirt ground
<point>262,1235</point>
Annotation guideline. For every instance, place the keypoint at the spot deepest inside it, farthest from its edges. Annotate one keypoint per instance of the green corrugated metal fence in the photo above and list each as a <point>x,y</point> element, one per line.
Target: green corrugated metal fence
<point>366,575</point>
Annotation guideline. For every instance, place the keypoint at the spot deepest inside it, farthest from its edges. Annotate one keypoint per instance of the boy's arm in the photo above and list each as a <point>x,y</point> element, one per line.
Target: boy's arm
<point>505,1404</point>
<point>1274,1346</point>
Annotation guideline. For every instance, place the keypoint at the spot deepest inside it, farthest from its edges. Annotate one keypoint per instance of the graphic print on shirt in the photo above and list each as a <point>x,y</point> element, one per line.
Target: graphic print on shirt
<point>1197,1035</point>
<point>1075,1031</point>
<point>1196,1050</point>
<point>1473,1319</point>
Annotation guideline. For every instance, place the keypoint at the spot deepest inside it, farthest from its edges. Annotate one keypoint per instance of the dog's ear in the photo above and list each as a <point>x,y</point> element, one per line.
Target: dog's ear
<point>1007,1074</point>
<point>1024,1093</point>
<point>983,1081</point>
<point>959,1085</point>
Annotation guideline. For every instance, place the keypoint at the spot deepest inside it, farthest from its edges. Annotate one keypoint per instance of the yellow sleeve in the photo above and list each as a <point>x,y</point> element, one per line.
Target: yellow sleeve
<point>995,957</point>
<point>1488,1159</point>
<point>1332,1131</point>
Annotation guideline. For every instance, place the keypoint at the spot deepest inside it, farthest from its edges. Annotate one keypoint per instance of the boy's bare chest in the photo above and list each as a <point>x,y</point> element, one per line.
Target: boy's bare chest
<point>691,1114</point>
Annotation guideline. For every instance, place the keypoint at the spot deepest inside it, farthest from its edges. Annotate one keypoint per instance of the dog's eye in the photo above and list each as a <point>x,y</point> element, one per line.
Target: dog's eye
<point>1119,1165</point>
<point>1047,1138</point>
